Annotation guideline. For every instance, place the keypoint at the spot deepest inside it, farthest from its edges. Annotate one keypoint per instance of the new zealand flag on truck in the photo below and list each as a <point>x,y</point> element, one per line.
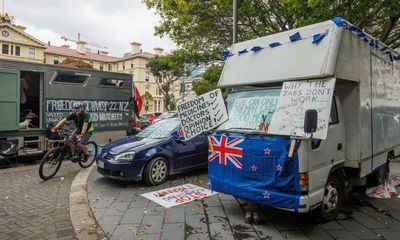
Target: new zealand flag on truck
<point>256,168</point>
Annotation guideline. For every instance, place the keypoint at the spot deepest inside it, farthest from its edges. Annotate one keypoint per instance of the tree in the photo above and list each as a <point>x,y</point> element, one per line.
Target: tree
<point>168,69</point>
<point>147,97</point>
<point>209,81</point>
<point>205,27</point>
<point>70,62</point>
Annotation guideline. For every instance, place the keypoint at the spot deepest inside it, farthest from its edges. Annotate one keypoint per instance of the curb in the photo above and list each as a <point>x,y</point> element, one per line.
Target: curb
<point>82,218</point>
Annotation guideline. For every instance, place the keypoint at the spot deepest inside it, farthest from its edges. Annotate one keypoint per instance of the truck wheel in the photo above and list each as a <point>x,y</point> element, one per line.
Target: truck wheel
<point>332,200</point>
<point>156,171</point>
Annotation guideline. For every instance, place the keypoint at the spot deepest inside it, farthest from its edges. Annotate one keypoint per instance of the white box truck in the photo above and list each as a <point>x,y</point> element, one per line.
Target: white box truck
<point>263,154</point>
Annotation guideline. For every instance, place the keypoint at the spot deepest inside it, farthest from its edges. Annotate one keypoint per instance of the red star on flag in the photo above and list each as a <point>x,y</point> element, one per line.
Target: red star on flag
<point>267,151</point>
<point>254,168</point>
<point>266,195</point>
<point>278,168</point>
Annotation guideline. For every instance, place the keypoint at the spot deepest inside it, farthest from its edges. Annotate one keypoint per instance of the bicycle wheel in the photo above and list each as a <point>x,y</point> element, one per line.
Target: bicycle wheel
<point>92,151</point>
<point>50,163</point>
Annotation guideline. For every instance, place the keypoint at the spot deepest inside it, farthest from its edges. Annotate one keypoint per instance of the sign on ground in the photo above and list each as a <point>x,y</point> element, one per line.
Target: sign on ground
<point>173,196</point>
<point>295,98</point>
<point>202,113</point>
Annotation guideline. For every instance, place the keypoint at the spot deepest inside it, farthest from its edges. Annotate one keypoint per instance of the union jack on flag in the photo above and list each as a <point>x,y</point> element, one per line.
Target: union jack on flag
<point>224,150</point>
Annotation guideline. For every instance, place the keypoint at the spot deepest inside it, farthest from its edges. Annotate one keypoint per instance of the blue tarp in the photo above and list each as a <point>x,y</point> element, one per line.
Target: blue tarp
<point>255,168</point>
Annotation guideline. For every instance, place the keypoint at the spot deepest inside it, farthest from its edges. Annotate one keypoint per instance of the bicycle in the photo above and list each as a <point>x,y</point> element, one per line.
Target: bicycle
<point>54,157</point>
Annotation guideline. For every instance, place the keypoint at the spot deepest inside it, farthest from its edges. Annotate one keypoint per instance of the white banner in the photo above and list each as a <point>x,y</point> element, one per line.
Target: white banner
<point>202,113</point>
<point>298,96</point>
<point>173,196</point>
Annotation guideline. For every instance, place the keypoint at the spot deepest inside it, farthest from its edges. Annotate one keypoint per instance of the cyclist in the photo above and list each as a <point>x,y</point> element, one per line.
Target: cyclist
<point>84,128</point>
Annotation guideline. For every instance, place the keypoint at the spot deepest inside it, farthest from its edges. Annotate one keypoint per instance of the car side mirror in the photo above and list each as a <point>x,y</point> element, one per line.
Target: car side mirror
<point>310,121</point>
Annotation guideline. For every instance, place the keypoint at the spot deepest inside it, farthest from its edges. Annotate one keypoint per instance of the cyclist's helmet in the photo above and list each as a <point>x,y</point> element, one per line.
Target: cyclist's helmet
<point>78,104</point>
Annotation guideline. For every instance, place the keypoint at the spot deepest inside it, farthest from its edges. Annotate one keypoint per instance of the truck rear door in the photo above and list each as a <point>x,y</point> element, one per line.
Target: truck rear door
<point>9,99</point>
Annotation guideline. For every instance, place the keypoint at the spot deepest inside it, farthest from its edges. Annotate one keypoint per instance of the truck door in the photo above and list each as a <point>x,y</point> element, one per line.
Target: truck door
<point>9,99</point>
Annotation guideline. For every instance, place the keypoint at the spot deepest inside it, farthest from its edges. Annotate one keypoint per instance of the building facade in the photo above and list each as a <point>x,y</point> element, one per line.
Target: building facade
<point>16,44</point>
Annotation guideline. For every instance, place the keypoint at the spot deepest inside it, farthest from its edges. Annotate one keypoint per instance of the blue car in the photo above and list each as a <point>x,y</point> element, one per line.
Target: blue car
<point>153,154</point>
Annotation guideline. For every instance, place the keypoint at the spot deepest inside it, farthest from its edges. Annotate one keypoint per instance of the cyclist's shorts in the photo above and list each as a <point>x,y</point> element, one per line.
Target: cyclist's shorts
<point>84,140</point>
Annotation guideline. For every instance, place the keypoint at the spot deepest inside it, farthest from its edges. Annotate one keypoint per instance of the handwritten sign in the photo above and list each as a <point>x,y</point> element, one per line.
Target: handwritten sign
<point>202,113</point>
<point>173,196</point>
<point>105,114</point>
<point>249,112</point>
<point>295,98</point>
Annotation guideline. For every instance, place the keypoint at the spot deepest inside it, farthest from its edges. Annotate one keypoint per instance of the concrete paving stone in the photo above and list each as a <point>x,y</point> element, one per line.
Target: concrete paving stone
<point>315,231</point>
<point>98,213</point>
<point>133,215</point>
<point>368,221</point>
<point>139,202</point>
<point>151,224</point>
<point>153,236</point>
<point>220,231</point>
<point>342,234</point>
<point>298,235</point>
<point>246,235</point>
<point>197,236</point>
<point>175,215</point>
<point>117,208</point>
<point>125,196</point>
<point>173,231</point>
<point>284,224</point>
<point>195,207</point>
<point>332,225</point>
<point>216,214</point>
<point>223,196</point>
<point>109,223</point>
<point>238,223</point>
<point>154,211</point>
<point>125,231</point>
<point>196,224</point>
<point>231,206</point>
<point>212,201</point>
<point>358,229</point>
<point>267,230</point>
<point>373,213</point>
<point>387,234</point>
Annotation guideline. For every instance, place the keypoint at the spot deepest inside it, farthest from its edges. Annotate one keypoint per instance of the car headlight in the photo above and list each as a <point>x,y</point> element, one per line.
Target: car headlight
<point>126,156</point>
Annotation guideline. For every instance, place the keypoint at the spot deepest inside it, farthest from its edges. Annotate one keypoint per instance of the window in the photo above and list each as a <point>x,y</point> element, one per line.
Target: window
<point>123,65</point>
<point>101,68</point>
<point>147,76</point>
<point>12,50</point>
<point>56,60</point>
<point>333,119</point>
<point>17,51</point>
<point>4,49</point>
<point>146,89</point>
<point>70,78</point>
<point>31,52</point>
<point>112,82</point>
<point>158,91</point>
<point>131,64</point>
<point>109,67</point>
<point>158,105</point>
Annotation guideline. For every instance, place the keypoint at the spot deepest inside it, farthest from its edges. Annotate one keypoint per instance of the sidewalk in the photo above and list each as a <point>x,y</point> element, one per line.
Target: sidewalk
<point>123,214</point>
<point>31,208</point>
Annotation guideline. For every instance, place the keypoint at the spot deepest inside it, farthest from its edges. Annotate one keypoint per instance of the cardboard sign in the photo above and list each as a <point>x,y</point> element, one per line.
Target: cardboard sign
<point>295,98</point>
<point>173,196</point>
<point>202,113</point>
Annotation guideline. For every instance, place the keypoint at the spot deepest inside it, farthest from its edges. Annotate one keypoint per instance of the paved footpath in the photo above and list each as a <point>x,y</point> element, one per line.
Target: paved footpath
<point>124,214</point>
<point>31,208</point>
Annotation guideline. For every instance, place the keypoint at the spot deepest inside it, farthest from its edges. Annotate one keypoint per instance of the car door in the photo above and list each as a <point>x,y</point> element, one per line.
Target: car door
<point>201,144</point>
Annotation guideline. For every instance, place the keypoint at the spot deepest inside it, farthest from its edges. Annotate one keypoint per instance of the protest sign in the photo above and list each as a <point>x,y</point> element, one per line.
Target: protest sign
<point>295,98</point>
<point>202,113</point>
<point>173,196</point>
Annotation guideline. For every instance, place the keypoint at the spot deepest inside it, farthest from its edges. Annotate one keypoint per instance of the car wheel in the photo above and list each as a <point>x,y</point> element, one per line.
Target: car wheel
<point>332,200</point>
<point>156,171</point>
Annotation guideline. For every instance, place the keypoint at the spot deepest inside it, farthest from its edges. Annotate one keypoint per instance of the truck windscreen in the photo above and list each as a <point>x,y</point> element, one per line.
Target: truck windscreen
<point>251,110</point>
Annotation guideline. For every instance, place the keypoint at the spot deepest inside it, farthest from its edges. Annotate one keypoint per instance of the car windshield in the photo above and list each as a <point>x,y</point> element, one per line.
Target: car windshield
<point>167,115</point>
<point>161,129</point>
<point>248,110</point>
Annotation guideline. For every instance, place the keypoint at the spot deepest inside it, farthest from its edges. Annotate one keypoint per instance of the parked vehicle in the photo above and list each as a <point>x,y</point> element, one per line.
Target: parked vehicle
<point>153,154</point>
<point>166,115</point>
<point>48,93</point>
<point>151,116</point>
<point>51,161</point>
<point>362,136</point>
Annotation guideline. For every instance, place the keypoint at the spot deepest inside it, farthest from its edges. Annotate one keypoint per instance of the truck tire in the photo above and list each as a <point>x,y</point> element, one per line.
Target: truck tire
<point>332,200</point>
<point>156,171</point>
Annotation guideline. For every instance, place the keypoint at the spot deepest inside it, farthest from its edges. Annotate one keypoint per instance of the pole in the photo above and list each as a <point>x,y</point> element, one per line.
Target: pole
<point>234,37</point>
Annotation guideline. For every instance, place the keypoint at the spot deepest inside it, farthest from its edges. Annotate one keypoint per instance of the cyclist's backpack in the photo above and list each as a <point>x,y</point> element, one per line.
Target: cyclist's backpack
<point>50,135</point>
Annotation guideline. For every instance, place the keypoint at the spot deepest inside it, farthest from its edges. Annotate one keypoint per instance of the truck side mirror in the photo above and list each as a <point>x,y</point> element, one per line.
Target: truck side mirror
<point>310,121</point>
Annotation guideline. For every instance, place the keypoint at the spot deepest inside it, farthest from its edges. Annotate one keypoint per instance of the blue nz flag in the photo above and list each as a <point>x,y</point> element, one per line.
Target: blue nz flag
<point>255,168</point>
